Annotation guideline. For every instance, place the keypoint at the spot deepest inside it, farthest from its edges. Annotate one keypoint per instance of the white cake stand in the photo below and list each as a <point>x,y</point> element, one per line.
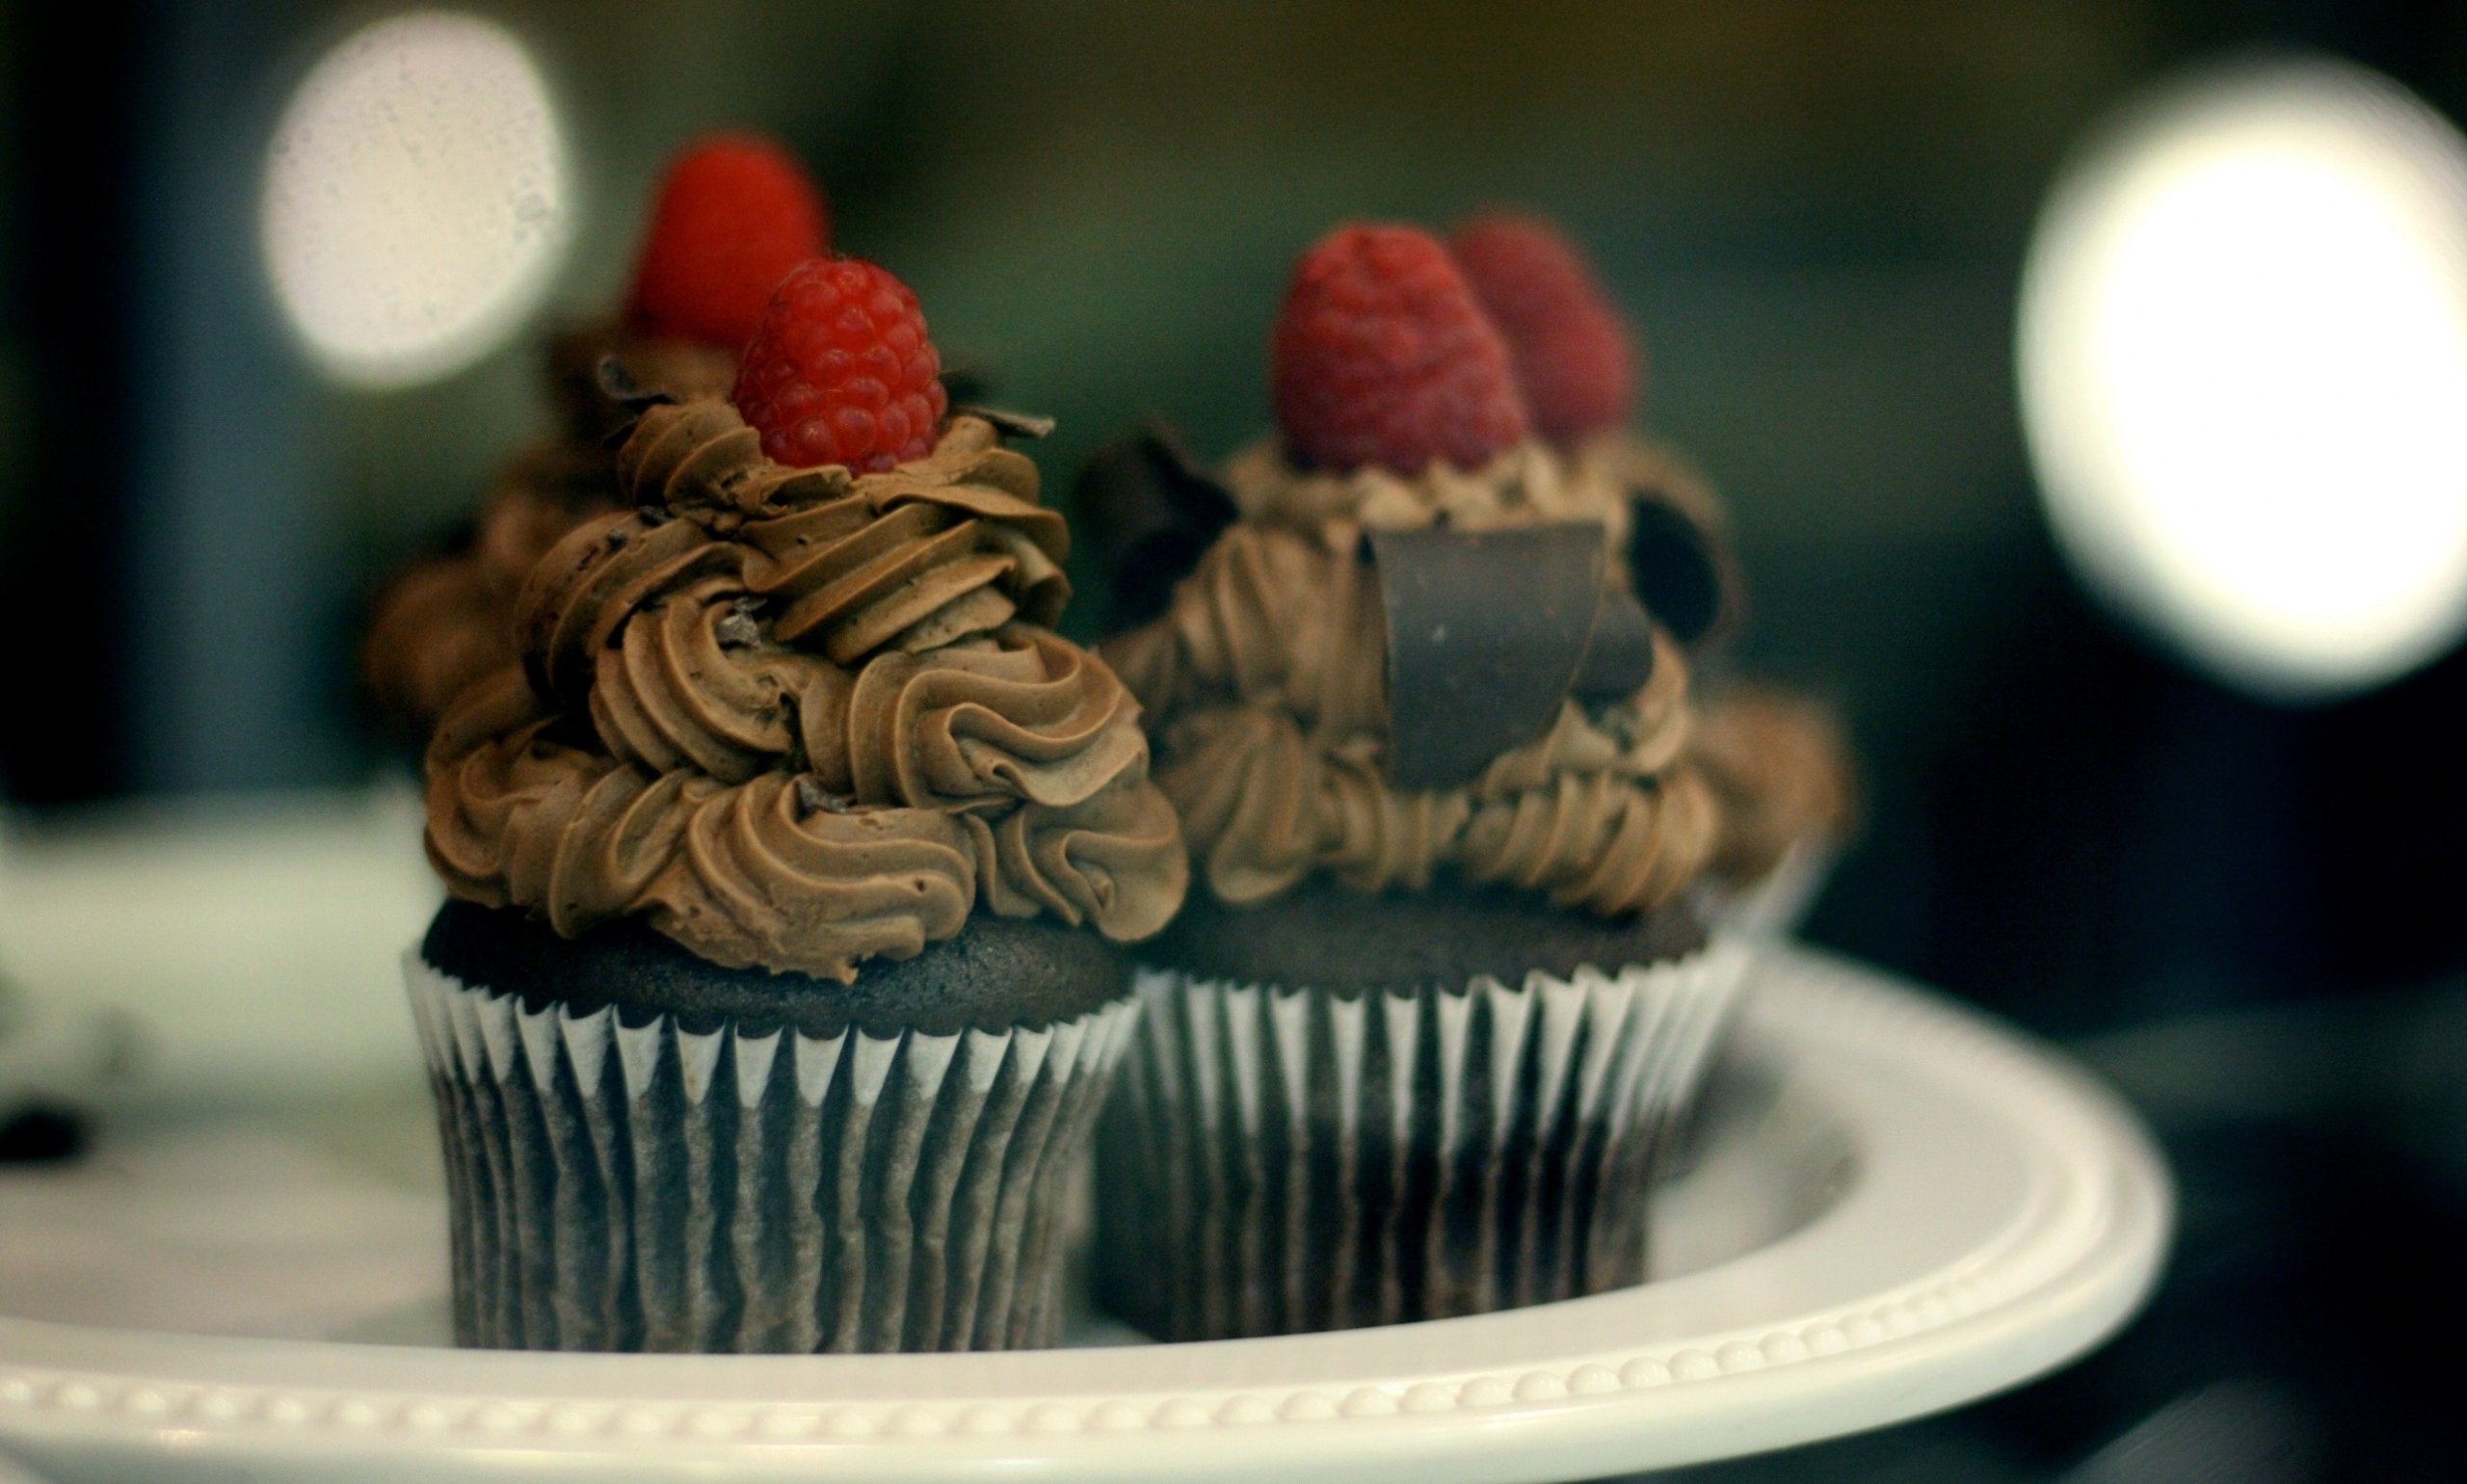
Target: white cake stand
<point>1904,1208</point>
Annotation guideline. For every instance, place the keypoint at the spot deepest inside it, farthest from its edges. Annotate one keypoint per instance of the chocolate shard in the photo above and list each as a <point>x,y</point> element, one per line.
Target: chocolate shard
<point>1619,659</point>
<point>1010,424</point>
<point>1486,633</point>
<point>1150,512</point>
<point>42,1133</point>
<point>617,383</point>
<point>737,629</point>
<point>967,381</point>
<point>812,799</point>
<point>1680,571</point>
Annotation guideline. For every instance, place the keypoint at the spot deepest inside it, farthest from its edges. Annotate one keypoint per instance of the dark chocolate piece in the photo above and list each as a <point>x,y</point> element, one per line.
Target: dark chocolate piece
<point>1010,424</point>
<point>41,1133</point>
<point>1619,659</point>
<point>966,381</point>
<point>1150,511</point>
<point>998,973</point>
<point>738,628</point>
<point>1680,571</point>
<point>1486,633</point>
<point>616,384</point>
<point>1332,938</point>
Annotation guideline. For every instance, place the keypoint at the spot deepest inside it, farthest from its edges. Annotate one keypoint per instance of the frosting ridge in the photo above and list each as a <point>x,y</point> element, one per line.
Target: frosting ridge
<point>444,623</point>
<point>798,718</point>
<point>1781,770</point>
<point>1268,673</point>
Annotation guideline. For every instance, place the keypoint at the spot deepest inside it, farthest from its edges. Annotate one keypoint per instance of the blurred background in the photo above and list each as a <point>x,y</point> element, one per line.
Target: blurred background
<point>2232,884</point>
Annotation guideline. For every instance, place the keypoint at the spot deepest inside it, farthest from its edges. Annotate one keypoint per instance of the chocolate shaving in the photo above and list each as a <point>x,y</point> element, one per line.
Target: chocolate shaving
<point>1150,511</point>
<point>1680,571</point>
<point>737,629</point>
<point>1010,424</point>
<point>814,799</point>
<point>617,385</point>
<point>967,381</point>
<point>1487,631</point>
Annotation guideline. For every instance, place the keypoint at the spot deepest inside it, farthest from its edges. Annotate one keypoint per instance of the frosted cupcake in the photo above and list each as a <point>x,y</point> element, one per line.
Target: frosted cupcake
<point>732,214</point>
<point>1412,1046</point>
<point>1778,761</point>
<point>777,992</point>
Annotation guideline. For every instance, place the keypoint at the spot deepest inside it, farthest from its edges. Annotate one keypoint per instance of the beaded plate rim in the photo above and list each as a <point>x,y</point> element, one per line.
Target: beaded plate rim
<point>2066,1266</point>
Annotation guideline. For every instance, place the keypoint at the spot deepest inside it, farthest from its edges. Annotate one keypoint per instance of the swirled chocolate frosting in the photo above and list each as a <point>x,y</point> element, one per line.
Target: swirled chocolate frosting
<point>1266,680</point>
<point>799,718</point>
<point>441,625</point>
<point>1778,762</point>
<point>1782,770</point>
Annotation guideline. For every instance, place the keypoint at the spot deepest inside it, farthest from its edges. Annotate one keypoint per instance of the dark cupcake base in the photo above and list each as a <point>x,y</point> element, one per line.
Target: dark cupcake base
<point>1288,1154</point>
<point>1343,943</point>
<point>639,1156</point>
<point>999,973</point>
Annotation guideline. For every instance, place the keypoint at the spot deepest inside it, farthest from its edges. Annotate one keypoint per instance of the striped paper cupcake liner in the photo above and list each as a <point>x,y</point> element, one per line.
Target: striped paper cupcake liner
<point>1280,1160</point>
<point>624,1187</point>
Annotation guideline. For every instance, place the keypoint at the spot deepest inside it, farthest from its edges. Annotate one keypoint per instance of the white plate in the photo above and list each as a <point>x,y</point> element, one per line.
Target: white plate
<point>1904,1208</point>
<point>231,934</point>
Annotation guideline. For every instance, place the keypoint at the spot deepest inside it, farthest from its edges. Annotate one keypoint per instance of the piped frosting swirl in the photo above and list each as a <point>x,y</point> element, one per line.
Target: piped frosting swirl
<point>1267,674</point>
<point>798,718</point>
<point>444,624</point>
<point>1781,768</point>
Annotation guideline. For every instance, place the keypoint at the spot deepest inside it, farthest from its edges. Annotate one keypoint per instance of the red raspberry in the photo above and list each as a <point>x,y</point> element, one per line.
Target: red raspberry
<point>840,370</point>
<point>734,213</point>
<point>1574,355</point>
<point>1380,356</point>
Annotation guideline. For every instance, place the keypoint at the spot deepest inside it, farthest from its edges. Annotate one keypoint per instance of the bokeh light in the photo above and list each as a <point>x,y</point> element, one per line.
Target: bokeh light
<point>2242,353</point>
<point>415,198</point>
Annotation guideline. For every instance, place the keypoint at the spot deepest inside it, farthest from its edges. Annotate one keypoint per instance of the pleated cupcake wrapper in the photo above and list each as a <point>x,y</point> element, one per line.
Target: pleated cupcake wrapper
<point>1277,1161</point>
<point>617,1187</point>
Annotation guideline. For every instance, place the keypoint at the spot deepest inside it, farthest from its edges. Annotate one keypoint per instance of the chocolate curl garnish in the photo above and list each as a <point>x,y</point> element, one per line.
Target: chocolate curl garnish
<point>967,381</point>
<point>1619,659</point>
<point>1685,576</point>
<point>1487,633</point>
<point>1150,511</point>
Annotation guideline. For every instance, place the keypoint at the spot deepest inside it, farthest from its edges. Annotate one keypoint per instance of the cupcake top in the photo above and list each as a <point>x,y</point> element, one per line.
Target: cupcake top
<point>797,704</point>
<point>733,213</point>
<point>1779,763</point>
<point>1421,646</point>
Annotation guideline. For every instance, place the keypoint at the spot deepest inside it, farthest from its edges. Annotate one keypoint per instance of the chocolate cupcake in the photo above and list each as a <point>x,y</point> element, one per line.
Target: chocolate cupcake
<point>1778,761</point>
<point>778,990</point>
<point>1780,766</point>
<point>732,214</point>
<point>1412,1049</point>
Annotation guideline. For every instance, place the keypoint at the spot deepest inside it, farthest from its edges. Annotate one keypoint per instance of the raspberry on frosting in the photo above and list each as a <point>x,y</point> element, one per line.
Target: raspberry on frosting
<point>1382,356</point>
<point>840,370</point>
<point>733,214</point>
<point>1574,354</point>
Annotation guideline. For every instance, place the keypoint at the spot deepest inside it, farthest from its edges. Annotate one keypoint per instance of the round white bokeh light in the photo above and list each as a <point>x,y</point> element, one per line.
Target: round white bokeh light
<point>415,198</point>
<point>2242,353</point>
